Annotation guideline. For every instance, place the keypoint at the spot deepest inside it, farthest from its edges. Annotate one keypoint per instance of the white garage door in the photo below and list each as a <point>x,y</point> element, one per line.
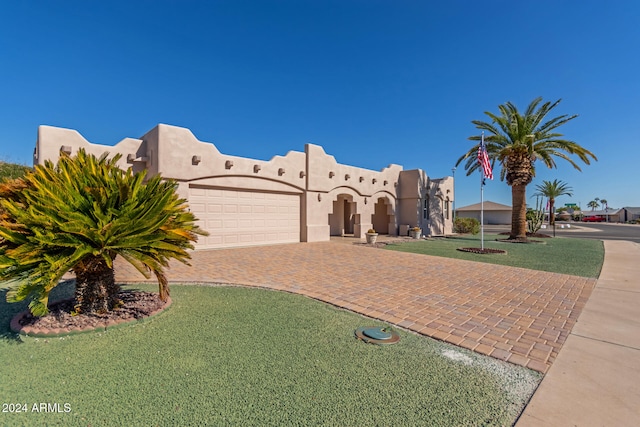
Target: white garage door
<point>244,218</point>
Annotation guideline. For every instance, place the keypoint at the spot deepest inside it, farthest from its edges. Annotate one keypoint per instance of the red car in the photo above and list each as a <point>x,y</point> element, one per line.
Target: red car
<point>594,219</point>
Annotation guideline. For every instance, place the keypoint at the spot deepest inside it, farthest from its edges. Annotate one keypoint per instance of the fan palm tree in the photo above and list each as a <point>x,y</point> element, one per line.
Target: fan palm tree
<point>552,190</point>
<point>517,141</point>
<point>80,215</point>
<point>604,203</point>
<point>593,204</point>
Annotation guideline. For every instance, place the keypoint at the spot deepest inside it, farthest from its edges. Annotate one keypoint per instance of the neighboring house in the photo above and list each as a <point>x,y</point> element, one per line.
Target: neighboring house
<point>299,197</point>
<point>630,214</point>
<point>493,213</point>
<point>611,215</point>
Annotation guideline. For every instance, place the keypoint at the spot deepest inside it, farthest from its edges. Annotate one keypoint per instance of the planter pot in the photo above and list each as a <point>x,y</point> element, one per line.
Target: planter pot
<point>415,234</point>
<point>371,238</point>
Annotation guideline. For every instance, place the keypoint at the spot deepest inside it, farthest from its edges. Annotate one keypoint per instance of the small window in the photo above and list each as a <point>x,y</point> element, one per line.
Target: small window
<point>446,208</point>
<point>425,209</point>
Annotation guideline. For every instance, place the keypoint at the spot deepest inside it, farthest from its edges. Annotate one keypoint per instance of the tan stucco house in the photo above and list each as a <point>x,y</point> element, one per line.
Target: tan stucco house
<point>299,197</point>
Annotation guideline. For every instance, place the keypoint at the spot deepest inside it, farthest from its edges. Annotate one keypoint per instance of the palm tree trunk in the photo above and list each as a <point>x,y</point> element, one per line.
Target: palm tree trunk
<point>552,215</point>
<point>96,289</point>
<point>519,212</point>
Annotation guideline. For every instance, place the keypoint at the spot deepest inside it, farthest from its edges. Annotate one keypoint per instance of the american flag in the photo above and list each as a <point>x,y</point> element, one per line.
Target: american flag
<point>483,160</point>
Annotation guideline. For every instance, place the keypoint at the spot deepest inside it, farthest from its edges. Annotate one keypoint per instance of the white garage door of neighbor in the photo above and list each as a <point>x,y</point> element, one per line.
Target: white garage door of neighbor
<point>244,218</point>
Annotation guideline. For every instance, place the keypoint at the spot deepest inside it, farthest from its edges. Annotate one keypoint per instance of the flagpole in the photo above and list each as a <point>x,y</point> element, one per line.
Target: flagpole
<point>482,202</point>
<point>482,207</point>
<point>485,171</point>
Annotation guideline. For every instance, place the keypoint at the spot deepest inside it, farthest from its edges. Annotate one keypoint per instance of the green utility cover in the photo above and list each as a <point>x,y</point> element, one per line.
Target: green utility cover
<point>377,334</point>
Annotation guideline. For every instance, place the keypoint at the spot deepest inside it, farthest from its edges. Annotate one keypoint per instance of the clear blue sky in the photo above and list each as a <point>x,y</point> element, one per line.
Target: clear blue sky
<point>373,82</point>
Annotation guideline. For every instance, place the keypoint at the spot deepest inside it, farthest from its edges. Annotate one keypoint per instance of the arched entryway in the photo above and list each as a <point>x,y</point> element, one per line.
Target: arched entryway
<point>343,216</point>
<point>382,216</point>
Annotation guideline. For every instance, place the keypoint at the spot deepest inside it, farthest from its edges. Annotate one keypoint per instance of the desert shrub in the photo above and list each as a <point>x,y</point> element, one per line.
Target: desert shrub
<point>12,170</point>
<point>535,217</point>
<point>466,226</point>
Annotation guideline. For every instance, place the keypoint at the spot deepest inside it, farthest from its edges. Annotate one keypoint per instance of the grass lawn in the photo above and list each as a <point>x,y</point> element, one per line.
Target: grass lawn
<point>578,257</point>
<point>241,356</point>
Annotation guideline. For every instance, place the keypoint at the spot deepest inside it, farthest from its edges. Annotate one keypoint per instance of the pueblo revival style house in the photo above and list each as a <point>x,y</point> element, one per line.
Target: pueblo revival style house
<point>299,197</point>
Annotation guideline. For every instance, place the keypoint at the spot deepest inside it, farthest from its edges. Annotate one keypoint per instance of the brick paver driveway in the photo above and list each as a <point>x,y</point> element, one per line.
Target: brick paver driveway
<point>514,314</point>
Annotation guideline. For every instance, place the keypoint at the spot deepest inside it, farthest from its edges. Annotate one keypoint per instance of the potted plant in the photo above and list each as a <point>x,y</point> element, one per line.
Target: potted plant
<point>371,236</point>
<point>415,232</point>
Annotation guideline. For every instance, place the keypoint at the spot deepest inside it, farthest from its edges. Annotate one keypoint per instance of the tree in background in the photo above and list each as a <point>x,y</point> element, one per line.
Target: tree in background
<point>552,190</point>
<point>12,171</point>
<point>594,204</point>
<point>80,215</point>
<point>517,141</point>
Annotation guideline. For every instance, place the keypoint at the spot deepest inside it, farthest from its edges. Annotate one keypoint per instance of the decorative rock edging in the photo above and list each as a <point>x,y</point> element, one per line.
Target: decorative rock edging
<point>482,251</point>
<point>55,332</point>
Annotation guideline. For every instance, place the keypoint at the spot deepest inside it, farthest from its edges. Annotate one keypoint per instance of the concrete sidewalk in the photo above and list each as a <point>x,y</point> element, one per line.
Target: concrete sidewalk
<point>595,380</point>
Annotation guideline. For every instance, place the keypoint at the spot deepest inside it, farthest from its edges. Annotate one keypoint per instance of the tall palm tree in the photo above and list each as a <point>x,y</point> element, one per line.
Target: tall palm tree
<point>552,190</point>
<point>604,203</point>
<point>80,215</point>
<point>517,141</point>
<point>593,204</point>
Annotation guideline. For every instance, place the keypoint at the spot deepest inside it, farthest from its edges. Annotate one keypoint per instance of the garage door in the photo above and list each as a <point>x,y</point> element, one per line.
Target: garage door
<point>245,218</point>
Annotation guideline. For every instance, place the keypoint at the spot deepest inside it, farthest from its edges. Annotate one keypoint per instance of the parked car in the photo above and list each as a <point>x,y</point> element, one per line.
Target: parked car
<point>594,218</point>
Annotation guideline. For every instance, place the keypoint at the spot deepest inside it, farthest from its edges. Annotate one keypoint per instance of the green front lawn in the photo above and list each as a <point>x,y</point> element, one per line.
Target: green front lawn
<point>578,257</point>
<point>242,356</point>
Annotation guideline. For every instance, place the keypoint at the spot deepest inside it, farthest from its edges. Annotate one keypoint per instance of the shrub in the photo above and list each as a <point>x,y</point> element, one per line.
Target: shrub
<point>79,215</point>
<point>12,171</point>
<point>466,226</point>
<point>535,217</point>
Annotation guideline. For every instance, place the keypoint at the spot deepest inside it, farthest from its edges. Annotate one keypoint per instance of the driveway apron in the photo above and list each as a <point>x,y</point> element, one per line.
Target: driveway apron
<point>514,314</point>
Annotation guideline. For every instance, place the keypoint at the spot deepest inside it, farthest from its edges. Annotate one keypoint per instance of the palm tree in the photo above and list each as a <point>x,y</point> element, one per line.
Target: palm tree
<point>80,215</point>
<point>604,203</point>
<point>593,204</point>
<point>551,190</point>
<point>517,141</point>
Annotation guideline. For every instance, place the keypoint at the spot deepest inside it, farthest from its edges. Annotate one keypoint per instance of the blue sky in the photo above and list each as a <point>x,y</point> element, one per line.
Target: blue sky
<point>373,82</point>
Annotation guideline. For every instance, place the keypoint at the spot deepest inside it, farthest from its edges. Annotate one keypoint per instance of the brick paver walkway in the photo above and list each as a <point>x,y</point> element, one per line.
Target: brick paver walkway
<point>514,314</point>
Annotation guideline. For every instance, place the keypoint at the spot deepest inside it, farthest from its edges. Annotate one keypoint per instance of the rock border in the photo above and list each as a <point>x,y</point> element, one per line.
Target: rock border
<point>32,331</point>
<point>482,251</point>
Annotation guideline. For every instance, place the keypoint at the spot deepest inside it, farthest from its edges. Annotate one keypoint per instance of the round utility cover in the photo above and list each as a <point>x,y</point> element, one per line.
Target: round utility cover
<point>376,335</point>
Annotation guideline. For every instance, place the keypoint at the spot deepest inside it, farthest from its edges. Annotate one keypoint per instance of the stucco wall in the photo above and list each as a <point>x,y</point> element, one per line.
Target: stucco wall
<point>317,177</point>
